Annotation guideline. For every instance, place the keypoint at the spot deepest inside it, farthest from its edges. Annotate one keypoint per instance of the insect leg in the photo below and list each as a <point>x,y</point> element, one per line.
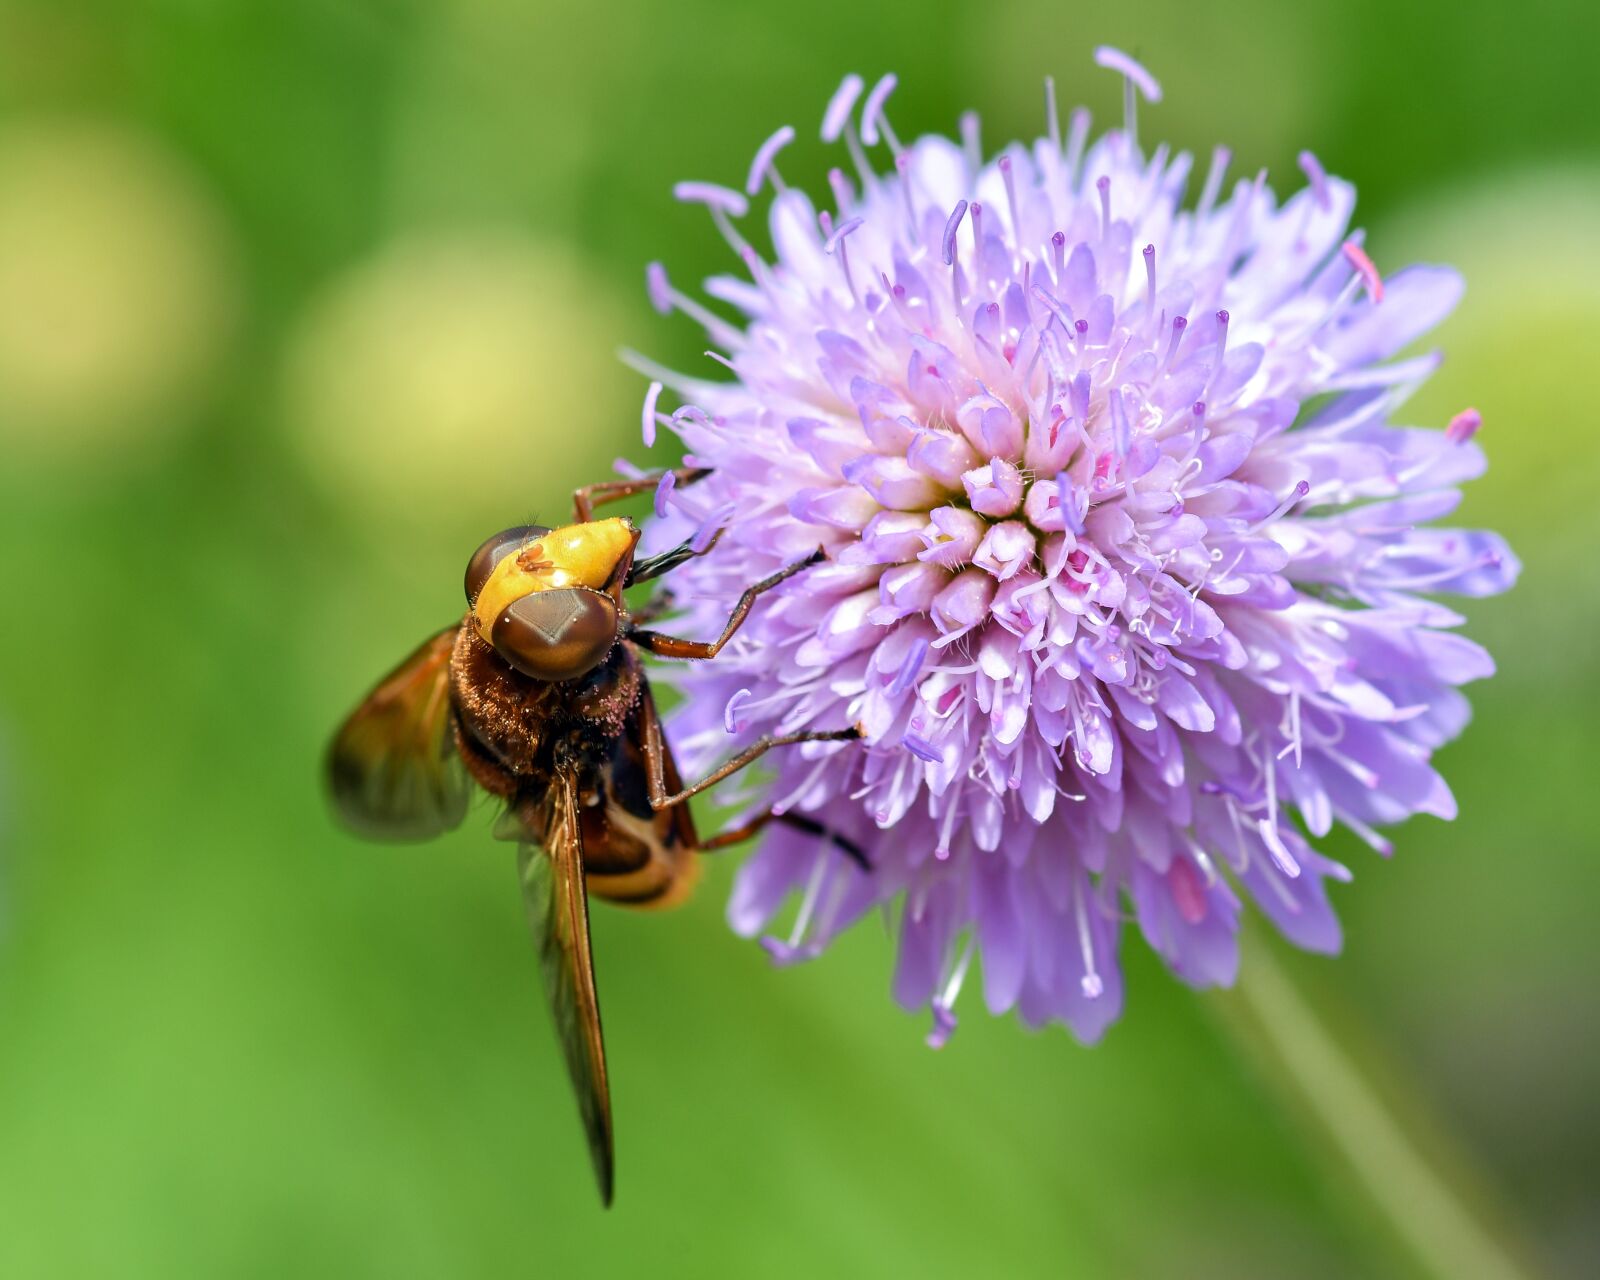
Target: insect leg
<point>586,499</point>
<point>655,566</point>
<point>655,760</point>
<point>745,830</point>
<point>665,646</point>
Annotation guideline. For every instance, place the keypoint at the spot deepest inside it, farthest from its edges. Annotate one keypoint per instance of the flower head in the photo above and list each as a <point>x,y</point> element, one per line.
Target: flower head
<point>1129,573</point>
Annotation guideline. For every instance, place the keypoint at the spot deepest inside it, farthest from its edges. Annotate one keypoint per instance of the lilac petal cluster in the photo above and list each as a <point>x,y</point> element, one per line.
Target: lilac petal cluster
<point>1130,576</point>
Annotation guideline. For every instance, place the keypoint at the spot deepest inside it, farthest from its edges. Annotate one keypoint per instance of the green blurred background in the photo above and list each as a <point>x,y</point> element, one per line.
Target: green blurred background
<point>300,298</point>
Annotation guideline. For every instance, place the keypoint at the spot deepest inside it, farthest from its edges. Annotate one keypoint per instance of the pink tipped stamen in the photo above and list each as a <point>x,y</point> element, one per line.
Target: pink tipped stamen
<point>1179,324</point>
<point>712,196</point>
<point>664,488</point>
<point>1150,283</point>
<point>1283,508</point>
<point>1357,257</point>
<point>837,116</point>
<point>874,124</point>
<point>1318,177</point>
<point>763,166</point>
<point>1463,426</point>
<point>1222,350</point>
<point>647,419</point>
<point>730,713</point>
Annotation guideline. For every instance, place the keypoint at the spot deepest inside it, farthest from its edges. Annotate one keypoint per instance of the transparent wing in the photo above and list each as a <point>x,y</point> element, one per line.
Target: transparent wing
<point>393,769</point>
<point>558,911</point>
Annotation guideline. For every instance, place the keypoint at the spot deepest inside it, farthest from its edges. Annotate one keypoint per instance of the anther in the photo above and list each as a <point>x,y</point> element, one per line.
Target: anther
<point>873,121</point>
<point>1463,426</point>
<point>763,167</point>
<point>647,419</point>
<point>1357,257</point>
<point>837,115</point>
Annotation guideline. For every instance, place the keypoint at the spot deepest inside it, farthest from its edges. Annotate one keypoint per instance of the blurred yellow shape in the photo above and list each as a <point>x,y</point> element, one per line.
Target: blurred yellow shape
<point>117,293</point>
<point>462,371</point>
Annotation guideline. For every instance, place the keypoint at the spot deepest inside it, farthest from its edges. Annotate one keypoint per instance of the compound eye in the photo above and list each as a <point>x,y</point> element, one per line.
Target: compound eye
<point>558,634</point>
<point>494,551</point>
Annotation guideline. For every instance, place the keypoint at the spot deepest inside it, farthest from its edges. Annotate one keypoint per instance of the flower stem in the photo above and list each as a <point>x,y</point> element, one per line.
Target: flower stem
<point>1429,1204</point>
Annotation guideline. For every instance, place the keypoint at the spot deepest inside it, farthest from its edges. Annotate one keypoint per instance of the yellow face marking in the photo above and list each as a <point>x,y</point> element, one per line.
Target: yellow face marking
<point>578,555</point>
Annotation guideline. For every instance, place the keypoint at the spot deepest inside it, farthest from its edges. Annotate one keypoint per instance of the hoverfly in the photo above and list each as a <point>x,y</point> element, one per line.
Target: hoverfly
<point>538,697</point>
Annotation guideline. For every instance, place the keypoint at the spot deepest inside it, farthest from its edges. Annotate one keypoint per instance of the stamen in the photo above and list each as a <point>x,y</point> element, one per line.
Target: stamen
<point>1222,350</point>
<point>873,121</point>
<point>713,524</point>
<point>1134,77</point>
<point>902,165</point>
<point>762,166</point>
<point>1282,509</point>
<point>664,298</point>
<point>910,668</point>
<point>1357,257</point>
<point>730,712</point>
<point>1281,856</point>
<point>1317,176</point>
<point>1058,254</point>
<point>1179,324</point>
<point>1150,284</point>
<point>1052,117</point>
<point>1091,983</point>
<point>922,749</point>
<point>647,419</point>
<point>943,1004</point>
<point>837,115</point>
<point>808,904</point>
<point>843,196</point>
<point>1208,194</point>
<point>1103,186</point>
<point>836,242</point>
<point>1073,508</point>
<point>1463,426</point>
<point>712,196</point>
<point>971,142</point>
<point>944,1025</point>
<point>1077,136</point>
<point>659,287</point>
<point>1121,431</point>
<point>951,226</point>
<point>664,488</point>
<point>1011,197</point>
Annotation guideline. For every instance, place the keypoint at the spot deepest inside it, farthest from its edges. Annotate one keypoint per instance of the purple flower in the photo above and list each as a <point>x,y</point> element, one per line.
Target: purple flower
<point>1130,574</point>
